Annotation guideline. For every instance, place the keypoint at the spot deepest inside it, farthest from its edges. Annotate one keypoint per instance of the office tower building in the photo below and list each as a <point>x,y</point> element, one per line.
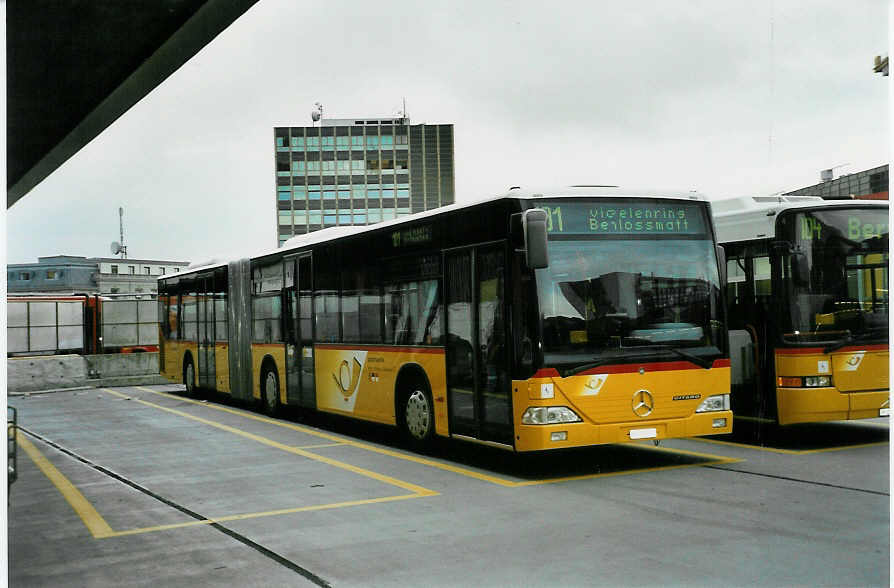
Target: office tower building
<point>359,172</point>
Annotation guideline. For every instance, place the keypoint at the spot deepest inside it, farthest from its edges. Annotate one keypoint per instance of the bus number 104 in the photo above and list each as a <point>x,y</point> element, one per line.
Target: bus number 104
<point>554,219</point>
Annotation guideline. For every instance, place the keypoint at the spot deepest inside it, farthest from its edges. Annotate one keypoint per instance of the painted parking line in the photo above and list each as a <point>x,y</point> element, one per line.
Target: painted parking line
<point>319,446</point>
<point>711,459</point>
<point>271,513</point>
<point>100,529</point>
<point>97,526</point>
<point>283,447</point>
<point>789,451</point>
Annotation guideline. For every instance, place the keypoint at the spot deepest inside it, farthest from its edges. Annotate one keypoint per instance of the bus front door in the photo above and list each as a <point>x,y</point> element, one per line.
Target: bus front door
<point>478,388</point>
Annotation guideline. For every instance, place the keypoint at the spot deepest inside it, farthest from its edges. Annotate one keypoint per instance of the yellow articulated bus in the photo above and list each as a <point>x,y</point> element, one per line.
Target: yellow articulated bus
<point>529,321</point>
<point>808,306</point>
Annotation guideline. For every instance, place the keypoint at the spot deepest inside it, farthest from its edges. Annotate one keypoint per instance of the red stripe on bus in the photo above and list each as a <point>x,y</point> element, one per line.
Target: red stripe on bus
<point>819,350</point>
<point>379,349</point>
<point>662,366</point>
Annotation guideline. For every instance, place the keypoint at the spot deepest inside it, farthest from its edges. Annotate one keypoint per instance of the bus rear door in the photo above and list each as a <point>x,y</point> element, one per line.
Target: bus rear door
<point>300,386</point>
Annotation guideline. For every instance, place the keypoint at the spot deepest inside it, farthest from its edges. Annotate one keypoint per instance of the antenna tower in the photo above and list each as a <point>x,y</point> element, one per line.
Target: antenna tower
<point>119,247</point>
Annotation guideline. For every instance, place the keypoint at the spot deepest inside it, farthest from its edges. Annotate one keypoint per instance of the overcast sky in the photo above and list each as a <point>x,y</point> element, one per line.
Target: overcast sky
<point>728,98</point>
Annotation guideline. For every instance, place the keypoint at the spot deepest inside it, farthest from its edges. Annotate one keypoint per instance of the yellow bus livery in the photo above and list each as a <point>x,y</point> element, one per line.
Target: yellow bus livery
<point>528,321</point>
<point>808,305</point>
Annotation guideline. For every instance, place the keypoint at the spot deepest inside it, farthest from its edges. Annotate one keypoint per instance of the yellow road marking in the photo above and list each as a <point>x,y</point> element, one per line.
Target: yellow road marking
<point>708,456</point>
<point>714,459</point>
<point>320,446</point>
<point>97,526</point>
<point>788,451</point>
<point>269,442</point>
<point>100,529</point>
<point>844,447</point>
<point>627,472</point>
<point>340,440</point>
<point>271,513</point>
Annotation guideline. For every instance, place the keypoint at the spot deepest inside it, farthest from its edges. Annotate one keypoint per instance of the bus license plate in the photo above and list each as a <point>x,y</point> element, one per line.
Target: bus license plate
<point>643,433</point>
<point>884,412</point>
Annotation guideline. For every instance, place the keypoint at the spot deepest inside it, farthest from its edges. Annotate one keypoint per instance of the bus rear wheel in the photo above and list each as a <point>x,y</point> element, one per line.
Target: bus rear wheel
<point>270,392</point>
<point>189,377</point>
<point>418,415</point>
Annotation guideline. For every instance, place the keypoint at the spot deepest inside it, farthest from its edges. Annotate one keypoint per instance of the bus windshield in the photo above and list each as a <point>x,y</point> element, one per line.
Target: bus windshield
<point>618,288</point>
<point>835,274</point>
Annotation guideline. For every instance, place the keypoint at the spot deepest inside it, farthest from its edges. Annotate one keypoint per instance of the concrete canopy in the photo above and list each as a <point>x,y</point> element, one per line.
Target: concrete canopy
<point>74,66</point>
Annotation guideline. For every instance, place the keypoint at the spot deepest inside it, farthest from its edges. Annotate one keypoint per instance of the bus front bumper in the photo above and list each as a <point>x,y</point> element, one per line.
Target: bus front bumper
<point>540,437</point>
<point>807,405</point>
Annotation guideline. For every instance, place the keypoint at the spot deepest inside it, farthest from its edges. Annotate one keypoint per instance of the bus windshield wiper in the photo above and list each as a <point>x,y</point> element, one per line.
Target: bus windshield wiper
<point>702,362</point>
<point>847,339</point>
<point>588,366</point>
<point>869,334</point>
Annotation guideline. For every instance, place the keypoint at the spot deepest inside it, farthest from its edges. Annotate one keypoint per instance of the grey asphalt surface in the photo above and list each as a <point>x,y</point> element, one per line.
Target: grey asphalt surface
<point>141,486</point>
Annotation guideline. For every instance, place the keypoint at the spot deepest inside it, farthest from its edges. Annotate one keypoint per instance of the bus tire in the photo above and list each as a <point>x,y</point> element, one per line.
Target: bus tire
<point>270,391</point>
<point>418,413</point>
<point>189,376</point>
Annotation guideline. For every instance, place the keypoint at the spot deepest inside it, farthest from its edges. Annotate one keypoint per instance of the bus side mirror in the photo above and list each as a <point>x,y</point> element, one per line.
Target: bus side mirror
<point>800,271</point>
<point>534,228</point>
<point>721,264</point>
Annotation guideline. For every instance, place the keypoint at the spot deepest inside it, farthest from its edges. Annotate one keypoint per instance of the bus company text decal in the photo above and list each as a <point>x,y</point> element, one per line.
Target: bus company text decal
<point>410,237</point>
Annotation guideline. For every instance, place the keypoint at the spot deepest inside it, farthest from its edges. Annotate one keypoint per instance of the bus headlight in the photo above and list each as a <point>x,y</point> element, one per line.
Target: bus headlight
<point>817,381</point>
<point>804,382</point>
<point>713,403</point>
<point>549,415</point>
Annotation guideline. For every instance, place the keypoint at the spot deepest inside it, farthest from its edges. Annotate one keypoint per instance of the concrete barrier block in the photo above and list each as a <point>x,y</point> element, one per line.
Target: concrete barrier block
<point>28,374</point>
<point>113,365</point>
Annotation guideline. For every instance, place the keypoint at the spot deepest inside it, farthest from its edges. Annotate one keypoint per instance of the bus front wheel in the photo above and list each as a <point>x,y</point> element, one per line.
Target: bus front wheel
<point>270,392</point>
<point>419,415</point>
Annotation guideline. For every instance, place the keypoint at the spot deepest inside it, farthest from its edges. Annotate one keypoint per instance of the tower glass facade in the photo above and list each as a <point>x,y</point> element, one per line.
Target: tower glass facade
<point>359,172</point>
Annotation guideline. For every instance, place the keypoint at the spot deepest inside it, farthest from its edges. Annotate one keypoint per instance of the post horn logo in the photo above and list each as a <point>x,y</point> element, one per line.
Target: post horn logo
<point>347,378</point>
<point>643,403</point>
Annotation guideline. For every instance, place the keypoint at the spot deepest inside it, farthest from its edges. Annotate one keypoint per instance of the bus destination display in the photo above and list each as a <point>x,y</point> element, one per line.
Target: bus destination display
<point>624,218</point>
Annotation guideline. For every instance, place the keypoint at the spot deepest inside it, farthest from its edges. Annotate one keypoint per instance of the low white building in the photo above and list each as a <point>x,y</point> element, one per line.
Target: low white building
<point>93,275</point>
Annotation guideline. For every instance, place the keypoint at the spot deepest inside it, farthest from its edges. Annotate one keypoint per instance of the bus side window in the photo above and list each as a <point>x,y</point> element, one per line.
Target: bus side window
<point>266,302</point>
<point>762,283</point>
<point>736,290</point>
<point>399,320</point>
<point>327,316</point>
<point>360,307</point>
<point>413,313</point>
<point>326,292</point>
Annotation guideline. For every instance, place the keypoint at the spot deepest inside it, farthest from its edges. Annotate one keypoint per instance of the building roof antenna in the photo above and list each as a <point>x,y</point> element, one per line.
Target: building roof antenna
<point>317,114</point>
<point>117,247</point>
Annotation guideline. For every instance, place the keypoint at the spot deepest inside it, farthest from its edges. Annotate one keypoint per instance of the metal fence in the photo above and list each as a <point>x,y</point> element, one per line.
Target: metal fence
<point>129,323</point>
<point>86,324</point>
<point>44,326</point>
